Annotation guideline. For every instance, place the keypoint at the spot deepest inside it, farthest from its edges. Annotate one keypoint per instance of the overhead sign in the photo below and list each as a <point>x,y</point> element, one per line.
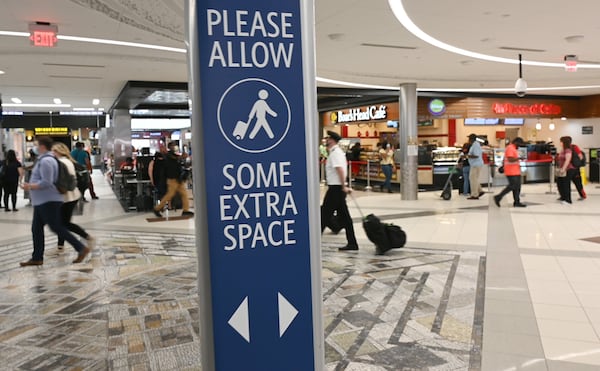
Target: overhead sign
<point>51,131</point>
<point>359,114</point>
<point>253,79</point>
<point>43,34</point>
<point>526,109</point>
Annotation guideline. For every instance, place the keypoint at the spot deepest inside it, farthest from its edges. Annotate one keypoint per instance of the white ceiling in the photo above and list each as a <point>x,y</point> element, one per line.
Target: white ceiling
<point>357,41</point>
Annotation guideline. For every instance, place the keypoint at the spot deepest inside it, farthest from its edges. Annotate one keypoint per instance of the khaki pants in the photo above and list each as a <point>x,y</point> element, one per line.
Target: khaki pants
<point>173,187</point>
<point>474,180</point>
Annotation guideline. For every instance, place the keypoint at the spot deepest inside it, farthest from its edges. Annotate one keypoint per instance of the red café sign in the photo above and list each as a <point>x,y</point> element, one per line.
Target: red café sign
<point>526,109</point>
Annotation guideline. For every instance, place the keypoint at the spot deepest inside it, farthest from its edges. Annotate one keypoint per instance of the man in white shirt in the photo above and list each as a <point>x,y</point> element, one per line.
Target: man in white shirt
<point>335,197</point>
<point>476,163</point>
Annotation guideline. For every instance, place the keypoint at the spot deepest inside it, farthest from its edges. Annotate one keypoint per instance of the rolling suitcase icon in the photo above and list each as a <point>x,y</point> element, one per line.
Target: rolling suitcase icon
<point>239,132</point>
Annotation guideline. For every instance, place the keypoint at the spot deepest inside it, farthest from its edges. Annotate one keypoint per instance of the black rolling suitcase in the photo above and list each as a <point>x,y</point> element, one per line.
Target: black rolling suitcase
<point>385,236</point>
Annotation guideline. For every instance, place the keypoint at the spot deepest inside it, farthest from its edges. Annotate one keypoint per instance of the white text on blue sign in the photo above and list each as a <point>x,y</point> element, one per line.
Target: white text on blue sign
<point>235,53</point>
<point>255,199</point>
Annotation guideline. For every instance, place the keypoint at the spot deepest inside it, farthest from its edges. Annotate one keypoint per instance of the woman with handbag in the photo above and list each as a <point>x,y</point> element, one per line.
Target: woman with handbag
<point>565,171</point>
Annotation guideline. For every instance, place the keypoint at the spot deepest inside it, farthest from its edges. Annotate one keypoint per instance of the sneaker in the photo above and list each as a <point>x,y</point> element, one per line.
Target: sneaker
<point>497,201</point>
<point>563,202</point>
<point>187,213</point>
<point>472,198</point>
<point>348,248</point>
<point>82,254</point>
<point>31,262</point>
<point>157,213</point>
<point>91,242</point>
<point>581,198</point>
<point>519,205</point>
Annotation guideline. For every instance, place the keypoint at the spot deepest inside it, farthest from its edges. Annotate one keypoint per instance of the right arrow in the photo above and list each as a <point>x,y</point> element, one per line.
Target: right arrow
<point>239,320</point>
<point>287,313</point>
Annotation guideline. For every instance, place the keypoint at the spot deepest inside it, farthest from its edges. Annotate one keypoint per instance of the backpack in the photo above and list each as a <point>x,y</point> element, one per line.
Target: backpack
<point>576,160</point>
<point>83,176</point>
<point>65,182</point>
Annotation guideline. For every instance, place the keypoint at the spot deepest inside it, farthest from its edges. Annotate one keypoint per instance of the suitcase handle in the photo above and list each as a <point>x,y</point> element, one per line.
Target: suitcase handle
<point>356,204</point>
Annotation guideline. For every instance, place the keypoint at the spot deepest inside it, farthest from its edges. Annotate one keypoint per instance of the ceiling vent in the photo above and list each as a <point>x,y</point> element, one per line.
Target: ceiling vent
<point>389,46</point>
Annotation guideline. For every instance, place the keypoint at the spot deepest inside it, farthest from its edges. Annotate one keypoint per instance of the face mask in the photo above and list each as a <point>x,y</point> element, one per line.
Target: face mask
<point>35,150</point>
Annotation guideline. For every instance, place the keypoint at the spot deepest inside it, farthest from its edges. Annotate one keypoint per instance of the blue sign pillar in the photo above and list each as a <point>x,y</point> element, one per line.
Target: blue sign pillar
<point>256,187</point>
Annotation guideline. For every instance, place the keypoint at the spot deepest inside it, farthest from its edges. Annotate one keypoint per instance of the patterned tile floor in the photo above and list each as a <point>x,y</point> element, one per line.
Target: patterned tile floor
<point>133,306</point>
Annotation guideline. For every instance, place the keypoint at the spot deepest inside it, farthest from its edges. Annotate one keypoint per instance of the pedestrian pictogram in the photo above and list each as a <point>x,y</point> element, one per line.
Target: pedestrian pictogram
<point>268,120</point>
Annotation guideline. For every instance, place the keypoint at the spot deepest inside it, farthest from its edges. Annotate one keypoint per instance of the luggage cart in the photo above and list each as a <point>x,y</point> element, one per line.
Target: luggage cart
<point>452,170</point>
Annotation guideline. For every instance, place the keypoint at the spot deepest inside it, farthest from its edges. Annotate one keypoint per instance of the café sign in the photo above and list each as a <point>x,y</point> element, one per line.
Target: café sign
<point>359,114</point>
<point>526,109</point>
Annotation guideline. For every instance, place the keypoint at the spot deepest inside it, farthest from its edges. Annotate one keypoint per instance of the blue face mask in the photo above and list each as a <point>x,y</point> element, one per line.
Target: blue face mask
<point>35,151</point>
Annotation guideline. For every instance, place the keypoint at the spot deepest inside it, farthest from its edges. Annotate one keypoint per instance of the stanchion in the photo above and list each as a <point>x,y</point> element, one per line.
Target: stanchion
<point>491,166</point>
<point>550,191</point>
<point>368,188</point>
<point>350,174</point>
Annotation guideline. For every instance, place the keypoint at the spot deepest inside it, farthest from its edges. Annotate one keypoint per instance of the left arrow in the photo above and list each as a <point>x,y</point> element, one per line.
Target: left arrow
<point>239,320</point>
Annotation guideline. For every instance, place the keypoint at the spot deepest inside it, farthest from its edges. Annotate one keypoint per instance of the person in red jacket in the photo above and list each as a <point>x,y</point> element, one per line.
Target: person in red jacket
<point>577,177</point>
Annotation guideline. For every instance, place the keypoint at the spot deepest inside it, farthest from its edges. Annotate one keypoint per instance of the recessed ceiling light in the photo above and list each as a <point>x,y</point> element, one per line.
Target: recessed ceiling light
<point>96,101</point>
<point>2,72</point>
<point>57,101</point>
<point>83,109</point>
<point>16,100</point>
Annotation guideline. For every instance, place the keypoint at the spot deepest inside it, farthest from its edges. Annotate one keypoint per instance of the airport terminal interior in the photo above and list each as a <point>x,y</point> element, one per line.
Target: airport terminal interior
<point>479,284</point>
<point>475,287</point>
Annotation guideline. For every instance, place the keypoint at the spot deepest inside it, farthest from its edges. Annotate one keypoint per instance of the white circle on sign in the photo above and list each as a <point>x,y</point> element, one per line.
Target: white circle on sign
<point>240,138</point>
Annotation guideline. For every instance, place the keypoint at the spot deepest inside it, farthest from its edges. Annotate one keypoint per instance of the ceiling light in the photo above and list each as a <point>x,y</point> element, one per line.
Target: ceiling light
<point>538,126</point>
<point>35,105</point>
<point>563,118</point>
<point>2,72</point>
<point>57,101</point>
<point>16,100</point>
<point>96,101</point>
<point>520,84</point>
<point>551,126</point>
<point>83,109</point>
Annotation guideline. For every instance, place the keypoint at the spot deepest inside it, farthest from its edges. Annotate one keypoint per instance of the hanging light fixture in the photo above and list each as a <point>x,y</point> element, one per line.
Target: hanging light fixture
<point>520,85</point>
<point>538,126</point>
<point>551,126</point>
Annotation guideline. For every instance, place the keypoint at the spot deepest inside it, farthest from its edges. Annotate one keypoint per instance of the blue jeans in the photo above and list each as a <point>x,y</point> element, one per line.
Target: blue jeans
<point>387,171</point>
<point>49,213</point>
<point>466,184</point>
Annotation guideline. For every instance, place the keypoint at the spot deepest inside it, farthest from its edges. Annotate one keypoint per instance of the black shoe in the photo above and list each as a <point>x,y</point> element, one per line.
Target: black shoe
<point>187,213</point>
<point>157,213</point>
<point>15,209</point>
<point>31,262</point>
<point>6,210</point>
<point>95,197</point>
<point>481,194</point>
<point>519,205</point>
<point>348,248</point>
<point>497,201</point>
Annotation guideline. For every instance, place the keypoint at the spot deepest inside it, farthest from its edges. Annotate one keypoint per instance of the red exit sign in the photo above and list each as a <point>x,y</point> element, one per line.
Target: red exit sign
<point>43,34</point>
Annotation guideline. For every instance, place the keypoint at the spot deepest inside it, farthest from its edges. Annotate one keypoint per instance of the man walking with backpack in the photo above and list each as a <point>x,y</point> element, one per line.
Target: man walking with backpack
<point>578,161</point>
<point>47,201</point>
